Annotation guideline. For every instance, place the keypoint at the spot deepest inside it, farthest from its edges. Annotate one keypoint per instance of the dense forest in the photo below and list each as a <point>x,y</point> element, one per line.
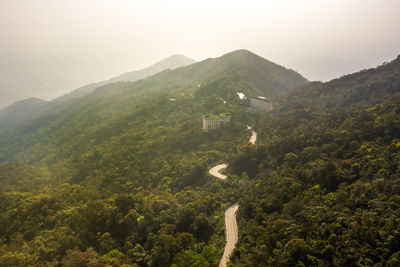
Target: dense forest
<point>119,177</point>
<point>325,177</point>
<point>140,197</point>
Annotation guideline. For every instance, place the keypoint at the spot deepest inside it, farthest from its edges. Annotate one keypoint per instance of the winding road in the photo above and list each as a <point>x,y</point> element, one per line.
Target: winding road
<point>214,171</point>
<point>231,232</point>
<point>253,137</point>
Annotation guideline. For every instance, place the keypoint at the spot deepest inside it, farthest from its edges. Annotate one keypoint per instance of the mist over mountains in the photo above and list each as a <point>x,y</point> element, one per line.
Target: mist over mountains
<point>31,107</point>
<point>48,76</point>
<point>171,62</point>
<point>51,76</point>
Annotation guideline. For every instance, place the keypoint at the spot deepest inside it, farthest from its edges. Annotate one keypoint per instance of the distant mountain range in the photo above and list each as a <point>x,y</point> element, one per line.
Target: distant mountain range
<point>48,76</point>
<point>20,111</point>
<point>171,62</point>
<point>32,107</point>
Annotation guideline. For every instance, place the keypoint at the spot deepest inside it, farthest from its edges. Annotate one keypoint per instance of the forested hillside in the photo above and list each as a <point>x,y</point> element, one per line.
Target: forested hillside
<point>366,87</point>
<point>113,105</point>
<point>324,187</point>
<point>119,177</point>
<point>19,111</point>
<point>135,192</point>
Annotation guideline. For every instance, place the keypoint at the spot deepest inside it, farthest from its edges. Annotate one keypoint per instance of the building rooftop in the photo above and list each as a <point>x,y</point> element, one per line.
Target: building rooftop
<point>241,95</point>
<point>263,98</point>
<point>220,115</point>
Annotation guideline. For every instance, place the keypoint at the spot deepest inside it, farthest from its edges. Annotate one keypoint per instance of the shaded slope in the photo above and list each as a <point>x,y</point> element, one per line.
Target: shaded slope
<point>368,86</point>
<point>20,111</point>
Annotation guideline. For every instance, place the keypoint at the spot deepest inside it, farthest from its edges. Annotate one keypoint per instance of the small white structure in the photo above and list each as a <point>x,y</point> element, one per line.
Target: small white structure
<point>211,121</point>
<point>260,103</point>
<point>241,95</point>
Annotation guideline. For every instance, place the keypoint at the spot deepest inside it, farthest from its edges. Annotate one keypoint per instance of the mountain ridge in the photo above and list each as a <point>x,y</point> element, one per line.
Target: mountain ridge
<point>208,79</point>
<point>20,111</point>
<point>367,86</point>
<point>170,62</point>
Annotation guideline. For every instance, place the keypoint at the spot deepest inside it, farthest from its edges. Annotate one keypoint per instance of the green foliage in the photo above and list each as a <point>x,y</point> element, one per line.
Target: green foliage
<point>130,188</point>
<point>119,178</point>
<point>323,195</point>
<point>372,86</point>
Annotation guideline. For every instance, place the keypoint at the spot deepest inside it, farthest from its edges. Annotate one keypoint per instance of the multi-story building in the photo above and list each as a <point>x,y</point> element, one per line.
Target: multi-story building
<point>260,103</point>
<point>211,121</point>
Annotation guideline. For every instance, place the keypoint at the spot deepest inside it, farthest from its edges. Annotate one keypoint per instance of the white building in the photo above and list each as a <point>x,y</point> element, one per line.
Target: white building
<point>211,121</point>
<point>260,103</point>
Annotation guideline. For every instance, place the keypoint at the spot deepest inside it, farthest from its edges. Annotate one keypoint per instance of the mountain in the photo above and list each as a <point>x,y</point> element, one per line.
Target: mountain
<point>369,86</point>
<point>119,176</point>
<point>325,176</point>
<point>172,62</point>
<point>223,76</point>
<point>216,78</point>
<point>251,73</point>
<point>8,120</point>
<point>20,111</point>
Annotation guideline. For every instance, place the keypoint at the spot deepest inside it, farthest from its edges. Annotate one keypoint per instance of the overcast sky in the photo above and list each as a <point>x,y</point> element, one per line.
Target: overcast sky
<point>321,39</point>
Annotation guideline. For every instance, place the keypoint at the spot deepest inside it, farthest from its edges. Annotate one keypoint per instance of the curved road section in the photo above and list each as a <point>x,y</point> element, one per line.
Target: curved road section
<point>231,233</point>
<point>214,171</point>
<point>253,137</point>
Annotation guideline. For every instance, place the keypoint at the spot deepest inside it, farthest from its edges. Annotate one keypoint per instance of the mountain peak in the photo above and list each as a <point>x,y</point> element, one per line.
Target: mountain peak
<point>173,62</point>
<point>242,53</point>
<point>179,56</point>
<point>261,75</point>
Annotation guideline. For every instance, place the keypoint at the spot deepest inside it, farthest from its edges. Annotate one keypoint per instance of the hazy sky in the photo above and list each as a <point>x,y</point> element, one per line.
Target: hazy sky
<point>319,38</point>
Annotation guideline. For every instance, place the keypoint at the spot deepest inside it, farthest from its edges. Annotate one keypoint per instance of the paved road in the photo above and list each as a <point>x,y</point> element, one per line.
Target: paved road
<point>214,171</point>
<point>231,229</point>
<point>253,137</point>
<point>231,233</point>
